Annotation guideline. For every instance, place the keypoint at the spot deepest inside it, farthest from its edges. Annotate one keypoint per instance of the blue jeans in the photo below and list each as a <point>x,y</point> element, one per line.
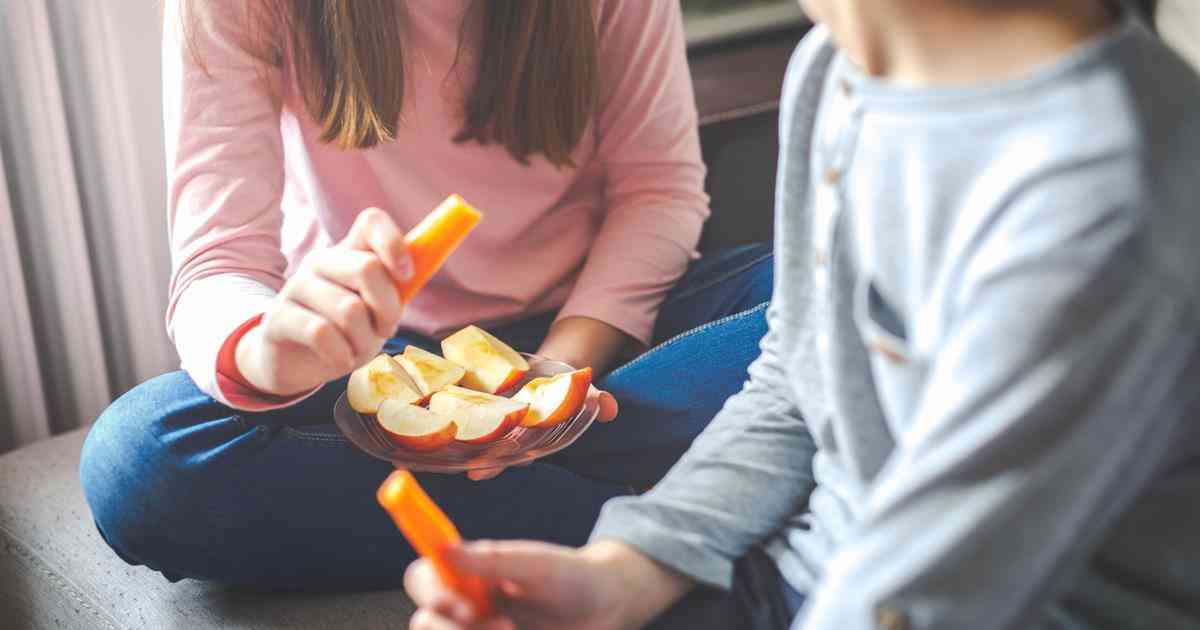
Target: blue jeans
<point>279,500</point>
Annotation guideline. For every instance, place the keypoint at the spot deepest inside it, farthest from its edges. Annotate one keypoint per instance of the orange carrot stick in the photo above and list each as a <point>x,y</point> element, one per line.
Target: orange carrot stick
<point>434,238</point>
<point>431,534</point>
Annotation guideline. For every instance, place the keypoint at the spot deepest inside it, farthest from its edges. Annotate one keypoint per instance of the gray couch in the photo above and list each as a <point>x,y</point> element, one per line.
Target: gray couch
<point>56,572</point>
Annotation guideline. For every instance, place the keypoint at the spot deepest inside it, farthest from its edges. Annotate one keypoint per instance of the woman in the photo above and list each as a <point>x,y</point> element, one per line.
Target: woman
<point>570,124</point>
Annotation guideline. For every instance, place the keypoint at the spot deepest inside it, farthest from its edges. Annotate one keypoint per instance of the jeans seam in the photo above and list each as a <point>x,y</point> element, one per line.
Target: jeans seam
<point>316,438</point>
<point>685,334</point>
<point>718,279</point>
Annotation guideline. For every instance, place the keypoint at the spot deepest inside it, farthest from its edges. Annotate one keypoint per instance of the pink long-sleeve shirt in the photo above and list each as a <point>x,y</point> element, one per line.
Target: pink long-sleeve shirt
<point>252,189</point>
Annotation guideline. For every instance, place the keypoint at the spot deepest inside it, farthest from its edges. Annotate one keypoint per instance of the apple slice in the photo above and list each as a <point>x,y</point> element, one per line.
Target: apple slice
<point>380,380</point>
<point>430,372</point>
<point>415,427</point>
<point>492,366</point>
<point>553,399</point>
<point>480,417</point>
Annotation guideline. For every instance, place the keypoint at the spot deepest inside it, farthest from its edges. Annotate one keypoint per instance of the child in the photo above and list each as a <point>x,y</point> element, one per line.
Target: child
<point>975,404</point>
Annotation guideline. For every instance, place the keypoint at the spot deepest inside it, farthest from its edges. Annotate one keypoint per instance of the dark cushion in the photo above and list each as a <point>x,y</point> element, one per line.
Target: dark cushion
<point>738,87</point>
<point>741,159</point>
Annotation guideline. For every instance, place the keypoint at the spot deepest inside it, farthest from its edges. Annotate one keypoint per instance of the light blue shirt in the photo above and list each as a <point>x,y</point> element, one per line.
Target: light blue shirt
<point>976,406</point>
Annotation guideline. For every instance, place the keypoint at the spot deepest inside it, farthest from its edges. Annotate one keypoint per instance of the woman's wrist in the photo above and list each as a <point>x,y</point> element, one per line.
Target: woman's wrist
<point>249,357</point>
<point>642,588</point>
<point>584,342</point>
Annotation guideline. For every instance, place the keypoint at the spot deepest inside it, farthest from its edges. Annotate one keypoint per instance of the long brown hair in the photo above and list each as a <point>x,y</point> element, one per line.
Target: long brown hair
<point>534,92</point>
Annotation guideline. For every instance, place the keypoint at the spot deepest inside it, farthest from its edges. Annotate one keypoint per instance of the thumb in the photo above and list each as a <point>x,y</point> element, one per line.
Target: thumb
<point>521,562</point>
<point>374,231</point>
<point>483,474</point>
<point>608,407</point>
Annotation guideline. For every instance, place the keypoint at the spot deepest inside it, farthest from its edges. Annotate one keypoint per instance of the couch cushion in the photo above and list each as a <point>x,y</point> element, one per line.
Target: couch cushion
<point>56,571</point>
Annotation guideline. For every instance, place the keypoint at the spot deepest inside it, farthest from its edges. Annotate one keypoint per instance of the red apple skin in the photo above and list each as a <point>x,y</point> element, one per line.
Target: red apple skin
<point>581,380</point>
<point>429,442</point>
<point>460,404</point>
<point>509,422</point>
<point>396,420</point>
<point>576,394</point>
<point>514,377</point>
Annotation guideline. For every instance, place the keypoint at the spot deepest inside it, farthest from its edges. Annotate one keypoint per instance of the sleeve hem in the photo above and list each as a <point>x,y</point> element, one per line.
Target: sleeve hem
<point>669,548</point>
<point>234,387</point>
<point>202,320</point>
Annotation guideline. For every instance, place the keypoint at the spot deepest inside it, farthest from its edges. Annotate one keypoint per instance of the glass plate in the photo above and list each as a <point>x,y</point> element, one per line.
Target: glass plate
<point>519,446</point>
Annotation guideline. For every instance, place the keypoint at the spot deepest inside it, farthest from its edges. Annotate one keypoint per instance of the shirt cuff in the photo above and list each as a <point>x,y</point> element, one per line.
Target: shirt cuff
<point>202,331</point>
<point>681,550</point>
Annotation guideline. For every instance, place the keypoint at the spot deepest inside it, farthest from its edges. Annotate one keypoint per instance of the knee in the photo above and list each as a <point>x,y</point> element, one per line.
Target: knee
<point>126,434</point>
<point>760,276</point>
<point>748,272</point>
<point>128,470</point>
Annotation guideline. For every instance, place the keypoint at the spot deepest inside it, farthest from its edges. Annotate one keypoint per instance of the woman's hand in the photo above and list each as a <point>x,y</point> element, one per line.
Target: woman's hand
<point>334,314</point>
<point>604,586</point>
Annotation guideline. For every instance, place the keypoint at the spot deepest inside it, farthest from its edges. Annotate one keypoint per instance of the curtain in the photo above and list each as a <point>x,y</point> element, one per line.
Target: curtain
<point>83,260</point>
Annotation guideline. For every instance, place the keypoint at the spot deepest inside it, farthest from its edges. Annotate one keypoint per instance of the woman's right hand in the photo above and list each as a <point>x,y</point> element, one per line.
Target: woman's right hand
<point>334,314</point>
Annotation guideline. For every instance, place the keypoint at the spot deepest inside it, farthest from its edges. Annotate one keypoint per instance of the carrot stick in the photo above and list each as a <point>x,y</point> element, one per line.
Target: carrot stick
<point>434,238</point>
<point>431,533</point>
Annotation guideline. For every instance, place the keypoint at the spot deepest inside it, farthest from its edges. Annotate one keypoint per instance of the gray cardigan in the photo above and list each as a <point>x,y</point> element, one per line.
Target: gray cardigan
<point>976,405</point>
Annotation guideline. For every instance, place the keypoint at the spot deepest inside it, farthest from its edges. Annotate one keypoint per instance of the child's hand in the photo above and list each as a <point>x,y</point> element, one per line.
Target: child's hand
<point>604,586</point>
<point>334,314</point>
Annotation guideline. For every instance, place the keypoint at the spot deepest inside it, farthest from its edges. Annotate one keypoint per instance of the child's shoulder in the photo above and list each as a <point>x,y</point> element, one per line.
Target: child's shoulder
<point>803,83</point>
<point>1093,161</point>
<point>811,57</point>
<point>1145,93</point>
<point>1157,95</point>
<point>1125,117</point>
